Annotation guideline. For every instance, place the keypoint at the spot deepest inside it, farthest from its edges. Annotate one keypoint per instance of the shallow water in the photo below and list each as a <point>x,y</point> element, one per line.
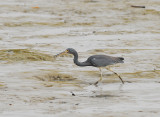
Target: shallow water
<point>40,88</point>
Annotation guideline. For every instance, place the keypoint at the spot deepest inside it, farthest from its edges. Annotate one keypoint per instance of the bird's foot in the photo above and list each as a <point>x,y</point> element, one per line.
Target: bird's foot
<point>96,83</point>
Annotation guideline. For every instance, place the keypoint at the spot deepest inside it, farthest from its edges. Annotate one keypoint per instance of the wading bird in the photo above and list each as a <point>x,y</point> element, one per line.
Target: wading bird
<point>99,61</point>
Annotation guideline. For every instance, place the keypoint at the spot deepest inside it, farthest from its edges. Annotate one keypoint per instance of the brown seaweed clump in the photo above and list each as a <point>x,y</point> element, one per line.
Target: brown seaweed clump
<point>143,74</point>
<point>1,85</point>
<point>55,76</point>
<point>12,55</point>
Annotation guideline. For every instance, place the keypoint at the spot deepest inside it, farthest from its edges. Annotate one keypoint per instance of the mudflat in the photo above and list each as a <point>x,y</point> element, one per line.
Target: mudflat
<point>35,84</point>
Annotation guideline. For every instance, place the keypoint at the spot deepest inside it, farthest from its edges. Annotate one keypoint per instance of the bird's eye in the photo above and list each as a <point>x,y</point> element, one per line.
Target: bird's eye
<point>67,50</point>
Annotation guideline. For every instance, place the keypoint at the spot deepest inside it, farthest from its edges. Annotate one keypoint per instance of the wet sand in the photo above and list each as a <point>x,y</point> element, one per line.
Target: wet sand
<point>33,84</point>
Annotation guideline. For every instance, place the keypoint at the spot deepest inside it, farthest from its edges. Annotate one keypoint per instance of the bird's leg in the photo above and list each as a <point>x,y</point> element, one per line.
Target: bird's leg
<point>100,76</point>
<point>115,73</point>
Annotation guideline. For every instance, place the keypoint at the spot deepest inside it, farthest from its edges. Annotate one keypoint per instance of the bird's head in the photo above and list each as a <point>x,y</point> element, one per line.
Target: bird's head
<point>70,50</point>
<point>67,51</point>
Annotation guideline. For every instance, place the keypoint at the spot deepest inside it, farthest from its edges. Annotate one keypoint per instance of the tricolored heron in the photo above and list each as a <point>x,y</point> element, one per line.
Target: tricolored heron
<point>99,61</point>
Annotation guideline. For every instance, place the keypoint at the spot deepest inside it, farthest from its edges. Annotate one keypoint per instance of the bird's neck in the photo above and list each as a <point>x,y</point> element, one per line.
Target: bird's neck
<point>79,63</point>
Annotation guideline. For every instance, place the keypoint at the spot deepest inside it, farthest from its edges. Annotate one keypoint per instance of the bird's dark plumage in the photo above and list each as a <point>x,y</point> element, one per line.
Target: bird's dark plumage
<point>103,60</point>
<point>96,60</point>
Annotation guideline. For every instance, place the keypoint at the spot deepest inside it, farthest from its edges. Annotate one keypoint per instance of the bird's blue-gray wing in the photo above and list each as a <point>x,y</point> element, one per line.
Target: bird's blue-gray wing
<point>101,61</point>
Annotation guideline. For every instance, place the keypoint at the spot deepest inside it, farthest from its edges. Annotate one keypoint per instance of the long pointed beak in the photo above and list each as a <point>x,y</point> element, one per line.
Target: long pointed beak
<point>62,53</point>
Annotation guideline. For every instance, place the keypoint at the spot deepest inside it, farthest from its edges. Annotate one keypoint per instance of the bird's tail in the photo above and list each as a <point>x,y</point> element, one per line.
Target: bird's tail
<point>120,60</point>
